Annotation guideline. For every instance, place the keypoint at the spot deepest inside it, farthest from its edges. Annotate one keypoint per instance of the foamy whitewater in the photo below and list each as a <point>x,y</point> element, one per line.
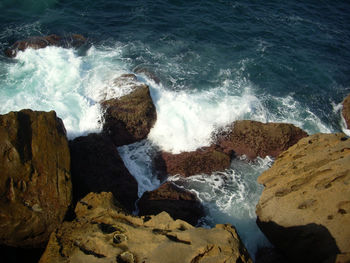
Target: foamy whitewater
<point>72,84</point>
<point>217,61</point>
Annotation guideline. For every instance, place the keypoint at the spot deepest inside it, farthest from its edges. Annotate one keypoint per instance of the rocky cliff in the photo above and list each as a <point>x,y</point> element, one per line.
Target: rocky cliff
<point>305,207</point>
<point>35,181</point>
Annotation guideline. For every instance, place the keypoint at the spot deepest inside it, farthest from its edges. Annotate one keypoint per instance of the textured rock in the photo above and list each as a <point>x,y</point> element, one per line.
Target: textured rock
<point>101,233</point>
<point>253,139</point>
<point>205,160</point>
<point>97,166</point>
<point>305,207</point>
<point>35,182</point>
<point>38,42</point>
<point>178,202</point>
<point>346,111</point>
<point>131,117</point>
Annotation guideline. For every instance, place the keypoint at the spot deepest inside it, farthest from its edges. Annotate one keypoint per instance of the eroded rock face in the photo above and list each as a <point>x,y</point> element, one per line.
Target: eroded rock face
<point>101,233</point>
<point>346,111</point>
<point>179,203</point>
<point>97,167</point>
<point>305,206</point>
<point>205,160</point>
<point>129,118</point>
<point>38,42</point>
<point>35,181</point>
<point>253,139</point>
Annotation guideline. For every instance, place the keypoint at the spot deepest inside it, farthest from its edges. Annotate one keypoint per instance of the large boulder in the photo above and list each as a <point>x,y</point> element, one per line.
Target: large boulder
<point>304,209</point>
<point>101,233</point>
<point>346,111</point>
<point>253,139</point>
<point>37,42</point>
<point>177,202</point>
<point>97,166</point>
<point>204,160</point>
<point>35,180</point>
<point>130,118</point>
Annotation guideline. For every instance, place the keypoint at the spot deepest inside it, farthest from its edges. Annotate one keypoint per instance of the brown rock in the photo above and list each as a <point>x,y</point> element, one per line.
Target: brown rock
<point>253,139</point>
<point>97,166</point>
<point>305,207</point>
<point>346,111</point>
<point>205,160</point>
<point>130,118</point>
<point>178,202</point>
<point>101,233</point>
<point>38,42</point>
<point>35,183</point>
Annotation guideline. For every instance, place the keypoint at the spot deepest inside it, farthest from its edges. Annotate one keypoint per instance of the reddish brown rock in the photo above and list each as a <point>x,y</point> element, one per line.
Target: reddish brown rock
<point>205,160</point>
<point>38,42</point>
<point>304,209</point>
<point>253,139</point>
<point>97,167</point>
<point>346,111</point>
<point>35,181</point>
<point>131,117</point>
<point>177,202</point>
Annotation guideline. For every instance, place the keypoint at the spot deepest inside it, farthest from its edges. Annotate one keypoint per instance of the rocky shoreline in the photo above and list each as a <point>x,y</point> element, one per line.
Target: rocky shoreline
<point>75,198</point>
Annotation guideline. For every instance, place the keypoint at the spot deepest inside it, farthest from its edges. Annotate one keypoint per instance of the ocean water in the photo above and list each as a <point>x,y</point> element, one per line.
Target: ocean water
<point>217,61</point>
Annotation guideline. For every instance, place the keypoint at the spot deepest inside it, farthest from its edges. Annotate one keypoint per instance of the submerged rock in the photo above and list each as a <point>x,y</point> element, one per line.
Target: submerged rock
<point>346,111</point>
<point>101,233</point>
<point>205,160</point>
<point>129,118</point>
<point>304,209</point>
<point>253,139</point>
<point>37,42</point>
<point>35,181</point>
<point>178,202</point>
<point>97,167</point>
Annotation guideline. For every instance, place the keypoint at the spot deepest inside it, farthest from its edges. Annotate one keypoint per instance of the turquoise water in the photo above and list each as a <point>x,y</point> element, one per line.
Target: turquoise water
<point>218,61</point>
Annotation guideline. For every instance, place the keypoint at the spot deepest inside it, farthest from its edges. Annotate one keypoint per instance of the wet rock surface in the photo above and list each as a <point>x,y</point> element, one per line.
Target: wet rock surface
<point>37,42</point>
<point>102,233</point>
<point>35,182</point>
<point>97,167</point>
<point>256,139</point>
<point>346,111</point>
<point>130,118</point>
<point>305,207</point>
<point>177,202</point>
<point>205,160</point>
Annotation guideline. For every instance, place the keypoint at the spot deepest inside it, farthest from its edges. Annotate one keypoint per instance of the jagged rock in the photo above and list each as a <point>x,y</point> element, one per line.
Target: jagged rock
<point>97,166</point>
<point>129,118</point>
<point>178,202</point>
<point>346,111</point>
<point>35,181</point>
<point>148,73</point>
<point>101,233</point>
<point>304,209</point>
<point>37,42</point>
<point>253,139</point>
<point>205,160</point>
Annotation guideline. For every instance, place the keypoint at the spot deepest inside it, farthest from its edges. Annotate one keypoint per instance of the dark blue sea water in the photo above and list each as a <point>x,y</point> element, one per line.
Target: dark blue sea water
<point>218,61</point>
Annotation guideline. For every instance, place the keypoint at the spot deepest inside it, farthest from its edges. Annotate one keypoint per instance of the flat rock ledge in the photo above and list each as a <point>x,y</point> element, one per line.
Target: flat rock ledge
<point>250,138</point>
<point>35,181</point>
<point>102,233</point>
<point>304,209</point>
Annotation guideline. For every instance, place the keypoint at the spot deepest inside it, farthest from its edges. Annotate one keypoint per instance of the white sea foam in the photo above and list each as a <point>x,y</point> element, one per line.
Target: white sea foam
<point>59,79</point>
<point>137,158</point>
<point>230,197</point>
